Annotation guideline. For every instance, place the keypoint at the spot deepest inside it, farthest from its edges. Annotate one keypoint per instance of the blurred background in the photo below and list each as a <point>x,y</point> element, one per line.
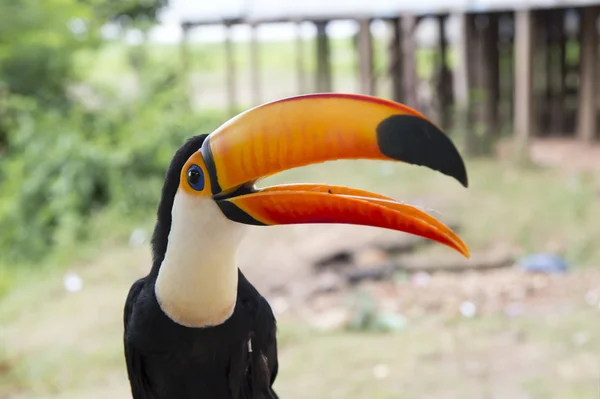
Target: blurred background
<point>96,96</point>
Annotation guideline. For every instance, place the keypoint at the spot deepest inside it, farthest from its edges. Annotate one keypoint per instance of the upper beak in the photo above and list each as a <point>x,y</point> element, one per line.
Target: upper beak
<point>315,128</point>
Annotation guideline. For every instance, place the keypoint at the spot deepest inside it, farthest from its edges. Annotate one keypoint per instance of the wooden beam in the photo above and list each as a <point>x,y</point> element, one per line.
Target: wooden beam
<point>255,65</point>
<point>365,57</point>
<point>587,121</point>
<point>184,55</point>
<point>548,40</point>
<point>395,59</point>
<point>541,52</point>
<point>558,111</point>
<point>444,81</point>
<point>475,43</point>
<point>409,70</point>
<point>523,114</point>
<point>491,74</point>
<point>323,58</point>
<point>463,81</point>
<point>184,49</point>
<point>230,72</point>
<point>507,77</point>
<point>462,77</point>
<point>300,73</point>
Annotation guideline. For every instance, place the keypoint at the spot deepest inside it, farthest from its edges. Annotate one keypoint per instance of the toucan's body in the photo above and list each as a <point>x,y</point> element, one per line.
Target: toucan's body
<point>233,360</point>
<point>237,359</point>
<point>195,327</point>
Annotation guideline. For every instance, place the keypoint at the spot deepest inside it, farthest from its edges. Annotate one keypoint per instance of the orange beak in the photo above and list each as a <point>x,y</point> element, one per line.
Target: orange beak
<point>316,128</point>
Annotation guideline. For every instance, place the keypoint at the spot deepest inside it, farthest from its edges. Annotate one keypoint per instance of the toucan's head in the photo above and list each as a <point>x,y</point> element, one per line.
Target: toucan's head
<point>219,175</point>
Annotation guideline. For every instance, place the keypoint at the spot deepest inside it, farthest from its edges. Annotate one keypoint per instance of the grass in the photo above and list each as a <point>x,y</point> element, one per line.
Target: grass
<point>55,344</point>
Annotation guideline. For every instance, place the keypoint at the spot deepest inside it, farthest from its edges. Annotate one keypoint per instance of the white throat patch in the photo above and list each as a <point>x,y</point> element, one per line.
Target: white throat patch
<point>197,281</point>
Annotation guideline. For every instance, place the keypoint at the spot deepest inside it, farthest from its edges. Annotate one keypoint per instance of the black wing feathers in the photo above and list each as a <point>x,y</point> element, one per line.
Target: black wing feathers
<point>138,379</point>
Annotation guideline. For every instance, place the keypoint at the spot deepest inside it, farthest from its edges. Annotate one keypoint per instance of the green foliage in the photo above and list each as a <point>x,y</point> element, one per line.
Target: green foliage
<point>126,11</point>
<point>69,149</point>
<point>62,168</point>
<point>37,41</point>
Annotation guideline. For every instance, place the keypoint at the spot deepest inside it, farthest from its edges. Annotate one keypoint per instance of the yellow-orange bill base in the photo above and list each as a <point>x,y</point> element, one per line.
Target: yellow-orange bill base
<point>306,203</point>
<point>316,128</point>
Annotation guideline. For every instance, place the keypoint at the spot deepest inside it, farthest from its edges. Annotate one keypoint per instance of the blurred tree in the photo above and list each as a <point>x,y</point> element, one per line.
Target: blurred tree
<point>63,161</point>
<point>123,11</point>
<point>37,41</point>
<point>136,15</point>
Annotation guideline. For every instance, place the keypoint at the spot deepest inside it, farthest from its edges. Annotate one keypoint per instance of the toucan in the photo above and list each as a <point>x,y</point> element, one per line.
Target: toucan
<point>195,327</point>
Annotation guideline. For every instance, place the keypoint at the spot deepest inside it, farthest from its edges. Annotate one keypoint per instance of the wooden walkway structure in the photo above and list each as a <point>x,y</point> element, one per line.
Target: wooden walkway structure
<point>528,67</point>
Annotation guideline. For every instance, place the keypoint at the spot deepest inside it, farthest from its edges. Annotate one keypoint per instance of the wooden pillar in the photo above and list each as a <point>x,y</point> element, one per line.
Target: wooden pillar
<point>507,76</point>
<point>463,81</point>
<point>255,65</point>
<point>323,58</point>
<point>474,42</point>
<point>558,112</point>
<point>365,57</point>
<point>462,76</point>
<point>523,114</point>
<point>587,123</point>
<point>230,71</point>
<point>490,79</point>
<point>444,79</point>
<point>184,54</point>
<point>395,59</point>
<point>541,50</point>
<point>555,71</point>
<point>300,73</point>
<point>549,39</point>
<point>184,48</point>
<point>409,70</point>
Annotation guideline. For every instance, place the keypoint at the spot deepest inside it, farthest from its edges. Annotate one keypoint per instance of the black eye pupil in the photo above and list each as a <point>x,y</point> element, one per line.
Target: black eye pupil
<point>194,176</point>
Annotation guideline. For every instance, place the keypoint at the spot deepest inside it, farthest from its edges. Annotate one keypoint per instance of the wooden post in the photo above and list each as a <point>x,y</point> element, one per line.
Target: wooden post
<point>540,53</point>
<point>461,69</point>
<point>587,124</point>
<point>255,65</point>
<point>230,72</point>
<point>507,77</point>
<point>323,58</point>
<point>523,123</point>
<point>184,49</point>
<point>365,57</point>
<point>184,54</point>
<point>300,74</point>
<point>555,63</point>
<point>395,59</point>
<point>463,80</point>
<point>474,43</point>
<point>409,70</point>
<point>444,79</point>
<point>548,37</point>
<point>491,74</point>
<point>558,114</point>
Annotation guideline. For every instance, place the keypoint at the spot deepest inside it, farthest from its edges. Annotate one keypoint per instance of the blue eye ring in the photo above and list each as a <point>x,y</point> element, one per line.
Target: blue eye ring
<point>195,177</point>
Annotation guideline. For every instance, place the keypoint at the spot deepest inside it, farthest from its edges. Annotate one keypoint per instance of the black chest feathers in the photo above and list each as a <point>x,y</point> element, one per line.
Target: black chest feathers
<point>235,360</point>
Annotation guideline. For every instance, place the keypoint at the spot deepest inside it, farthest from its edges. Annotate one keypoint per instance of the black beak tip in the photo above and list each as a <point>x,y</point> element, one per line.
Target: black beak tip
<point>412,139</point>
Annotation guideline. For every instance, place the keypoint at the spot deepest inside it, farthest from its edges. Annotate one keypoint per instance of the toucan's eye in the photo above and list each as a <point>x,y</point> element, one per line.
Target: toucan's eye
<point>195,177</point>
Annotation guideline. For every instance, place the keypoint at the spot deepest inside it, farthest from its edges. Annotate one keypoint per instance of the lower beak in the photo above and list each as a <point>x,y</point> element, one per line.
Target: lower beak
<point>310,129</point>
